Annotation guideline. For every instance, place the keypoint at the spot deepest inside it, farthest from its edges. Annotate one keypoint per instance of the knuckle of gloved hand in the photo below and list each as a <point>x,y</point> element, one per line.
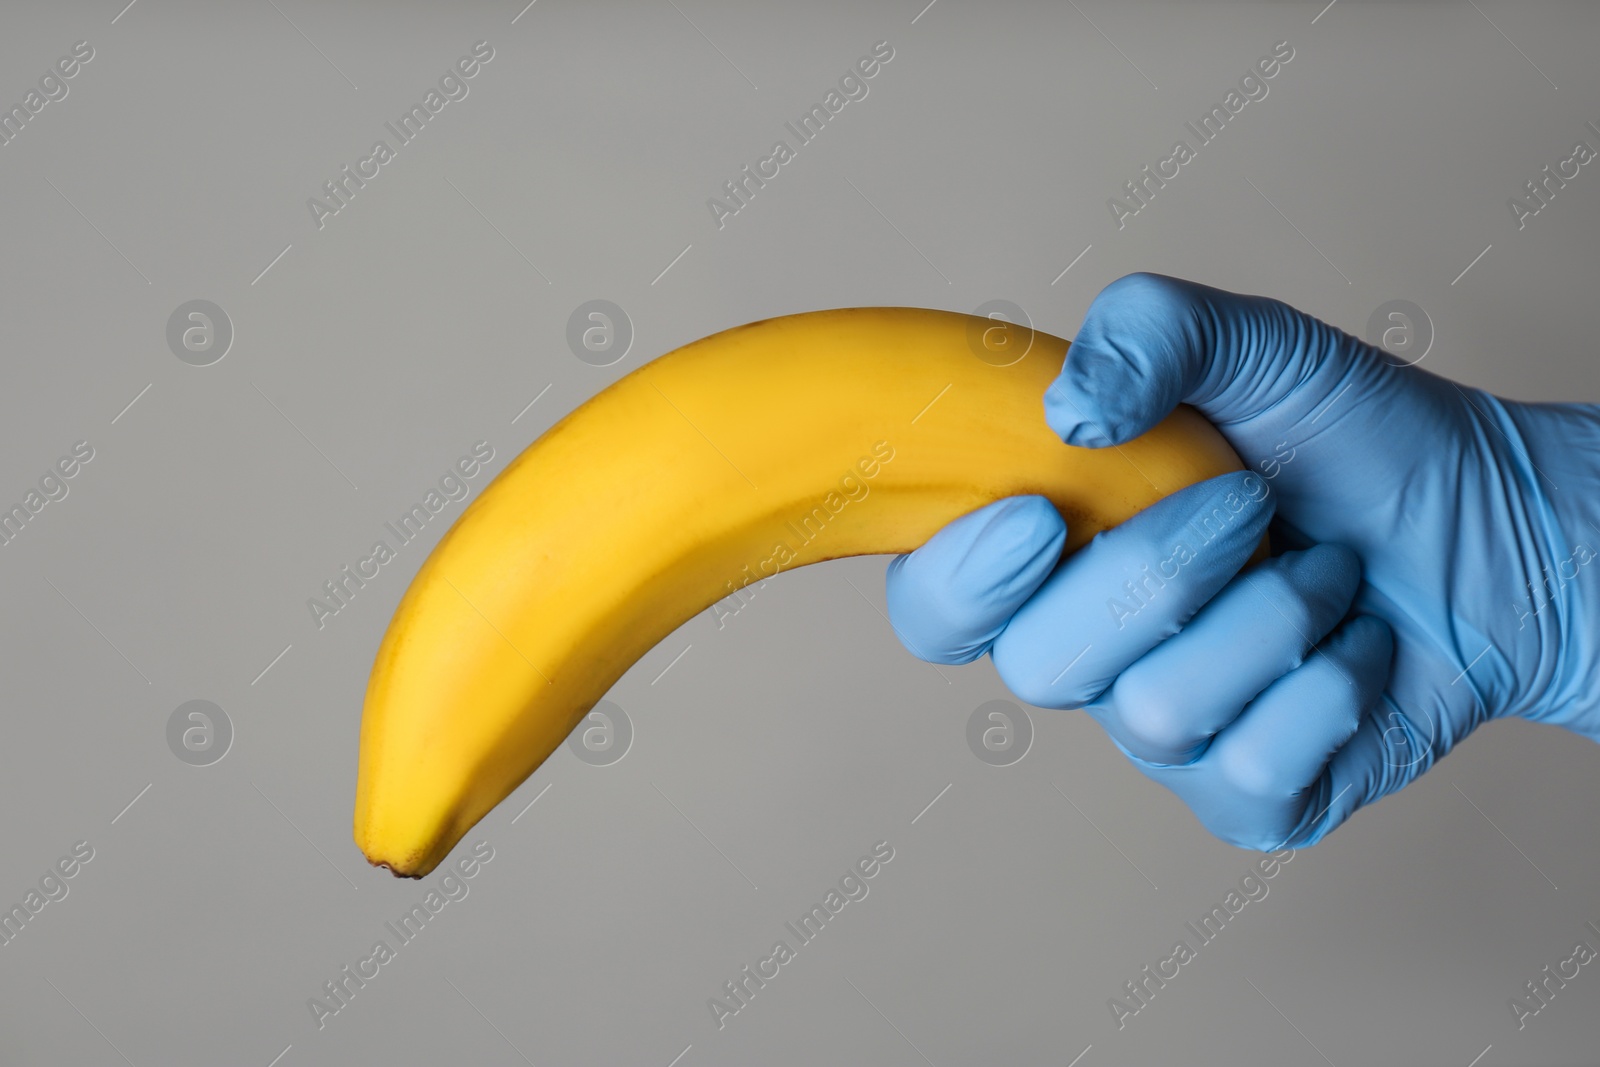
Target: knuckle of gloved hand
<point>1147,292</point>
<point>1296,608</point>
<point>1351,677</point>
<point>1349,706</point>
<point>1033,687</point>
<point>1032,680</point>
<point>1370,643</point>
<point>1329,576</point>
<point>1159,722</point>
<point>942,653</point>
<point>1255,775</point>
<point>946,636</point>
<point>922,615</point>
<point>1259,838</point>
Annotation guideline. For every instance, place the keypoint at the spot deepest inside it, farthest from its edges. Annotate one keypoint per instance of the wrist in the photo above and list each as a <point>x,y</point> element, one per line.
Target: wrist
<point>1559,602</point>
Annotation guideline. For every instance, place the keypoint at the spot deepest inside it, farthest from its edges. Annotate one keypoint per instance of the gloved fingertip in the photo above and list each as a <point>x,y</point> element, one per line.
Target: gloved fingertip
<point>1330,568</point>
<point>1074,417</point>
<point>1020,530</point>
<point>1084,435</point>
<point>1218,521</point>
<point>1368,641</point>
<point>949,598</point>
<point>1000,554</point>
<point>1102,398</point>
<point>1127,367</point>
<point>1219,503</point>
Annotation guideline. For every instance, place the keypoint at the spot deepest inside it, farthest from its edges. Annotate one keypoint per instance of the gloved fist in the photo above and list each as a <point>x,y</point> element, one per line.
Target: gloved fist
<point>1435,579</point>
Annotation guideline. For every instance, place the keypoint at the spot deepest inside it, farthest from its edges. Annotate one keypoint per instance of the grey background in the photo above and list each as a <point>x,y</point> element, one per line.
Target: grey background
<point>778,749</point>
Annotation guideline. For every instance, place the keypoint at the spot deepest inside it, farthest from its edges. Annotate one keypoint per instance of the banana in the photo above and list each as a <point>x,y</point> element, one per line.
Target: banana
<point>763,448</point>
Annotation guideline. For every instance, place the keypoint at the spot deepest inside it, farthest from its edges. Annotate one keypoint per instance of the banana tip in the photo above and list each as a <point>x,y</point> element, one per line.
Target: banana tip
<point>397,872</point>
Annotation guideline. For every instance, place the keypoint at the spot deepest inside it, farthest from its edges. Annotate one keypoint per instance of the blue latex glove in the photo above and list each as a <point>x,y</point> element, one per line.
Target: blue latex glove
<point>1444,571</point>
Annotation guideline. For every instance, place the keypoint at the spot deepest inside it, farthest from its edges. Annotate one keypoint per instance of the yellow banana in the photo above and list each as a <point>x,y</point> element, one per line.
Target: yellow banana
<point>759,449</point>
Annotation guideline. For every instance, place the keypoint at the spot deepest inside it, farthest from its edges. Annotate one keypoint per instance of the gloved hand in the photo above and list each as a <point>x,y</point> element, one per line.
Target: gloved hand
<point>1443,569</point>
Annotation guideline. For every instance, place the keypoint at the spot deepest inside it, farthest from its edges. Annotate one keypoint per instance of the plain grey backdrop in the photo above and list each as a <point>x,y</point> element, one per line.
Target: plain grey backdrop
<point>767,755</point>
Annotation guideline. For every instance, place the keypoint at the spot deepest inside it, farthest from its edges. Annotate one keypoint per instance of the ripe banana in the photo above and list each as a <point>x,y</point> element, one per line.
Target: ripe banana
<point>759,449</point>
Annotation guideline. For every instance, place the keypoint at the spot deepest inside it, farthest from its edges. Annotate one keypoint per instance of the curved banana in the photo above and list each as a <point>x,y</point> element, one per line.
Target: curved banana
<point>759,449</point>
